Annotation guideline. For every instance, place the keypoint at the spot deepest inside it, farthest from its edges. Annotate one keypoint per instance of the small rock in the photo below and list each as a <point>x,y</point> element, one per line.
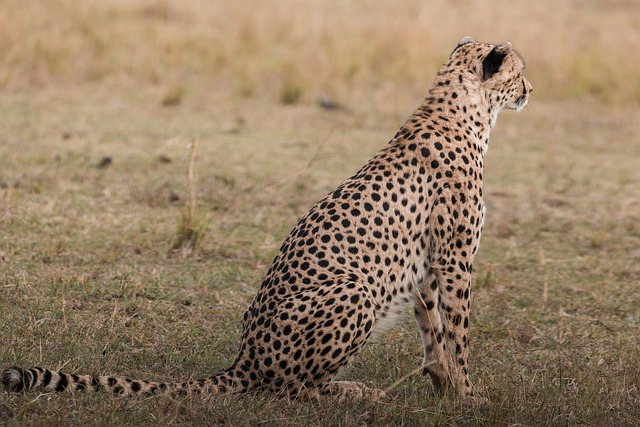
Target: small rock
<point>329,104</point>
<point>105,163</point>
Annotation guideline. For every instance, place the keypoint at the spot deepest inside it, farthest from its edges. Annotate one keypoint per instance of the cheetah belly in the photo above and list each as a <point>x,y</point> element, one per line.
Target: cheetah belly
<point>394,311</point>
<point>403,293</point>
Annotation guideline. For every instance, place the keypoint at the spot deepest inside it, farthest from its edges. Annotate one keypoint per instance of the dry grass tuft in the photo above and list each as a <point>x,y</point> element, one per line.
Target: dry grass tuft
<point>191,225</point>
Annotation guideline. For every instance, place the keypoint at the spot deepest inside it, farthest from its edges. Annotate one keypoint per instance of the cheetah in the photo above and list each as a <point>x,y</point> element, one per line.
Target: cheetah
<point>403,231</point>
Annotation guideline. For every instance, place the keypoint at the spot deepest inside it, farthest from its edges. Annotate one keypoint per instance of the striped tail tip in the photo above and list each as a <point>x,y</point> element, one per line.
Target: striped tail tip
<point>13,379</point>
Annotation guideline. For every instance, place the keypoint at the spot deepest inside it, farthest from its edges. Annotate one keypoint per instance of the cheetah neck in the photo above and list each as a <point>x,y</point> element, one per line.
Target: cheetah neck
<point>462,109</point>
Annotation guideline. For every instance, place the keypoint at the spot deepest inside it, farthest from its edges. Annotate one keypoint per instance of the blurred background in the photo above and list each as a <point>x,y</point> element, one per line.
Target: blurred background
<point>296,51</point>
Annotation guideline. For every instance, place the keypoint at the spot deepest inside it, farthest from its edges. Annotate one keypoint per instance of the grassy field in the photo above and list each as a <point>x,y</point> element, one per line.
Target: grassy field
<point>99,102</point>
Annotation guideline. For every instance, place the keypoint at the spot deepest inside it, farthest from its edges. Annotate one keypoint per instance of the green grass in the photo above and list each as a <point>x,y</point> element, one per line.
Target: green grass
<point>88,278</point>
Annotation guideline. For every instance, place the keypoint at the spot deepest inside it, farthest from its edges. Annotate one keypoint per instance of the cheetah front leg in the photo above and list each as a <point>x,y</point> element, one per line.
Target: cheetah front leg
<point>431,329</point>
<point>454,288</point>
<point>442,314</point>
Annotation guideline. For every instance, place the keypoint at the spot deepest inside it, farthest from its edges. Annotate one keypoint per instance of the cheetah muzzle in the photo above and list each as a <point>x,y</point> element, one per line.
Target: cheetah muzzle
<point>403,231</point>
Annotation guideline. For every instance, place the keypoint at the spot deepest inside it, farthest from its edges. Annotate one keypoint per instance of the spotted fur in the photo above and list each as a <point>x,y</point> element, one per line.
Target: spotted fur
<point>403,231</point>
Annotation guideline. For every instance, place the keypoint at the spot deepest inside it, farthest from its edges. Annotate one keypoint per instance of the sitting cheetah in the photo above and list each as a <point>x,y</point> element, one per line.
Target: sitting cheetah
<point>402,231</point>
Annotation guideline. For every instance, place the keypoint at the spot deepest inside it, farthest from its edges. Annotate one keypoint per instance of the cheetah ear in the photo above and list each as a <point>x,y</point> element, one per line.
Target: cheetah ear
<point>464,41</point>
<point>492,62</point>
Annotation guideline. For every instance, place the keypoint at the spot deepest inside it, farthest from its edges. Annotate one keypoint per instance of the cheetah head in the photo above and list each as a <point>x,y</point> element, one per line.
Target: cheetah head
<point>494,73</point>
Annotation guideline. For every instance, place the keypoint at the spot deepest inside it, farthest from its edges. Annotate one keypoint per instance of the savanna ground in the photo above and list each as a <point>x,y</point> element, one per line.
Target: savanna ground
<point>89,281</point>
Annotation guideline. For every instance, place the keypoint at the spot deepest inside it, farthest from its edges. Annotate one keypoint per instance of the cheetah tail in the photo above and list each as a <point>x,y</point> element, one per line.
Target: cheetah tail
<point>17,380</point>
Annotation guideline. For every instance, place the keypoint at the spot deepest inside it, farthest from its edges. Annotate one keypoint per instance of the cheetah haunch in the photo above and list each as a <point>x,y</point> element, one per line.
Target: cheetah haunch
<point>402,231</point>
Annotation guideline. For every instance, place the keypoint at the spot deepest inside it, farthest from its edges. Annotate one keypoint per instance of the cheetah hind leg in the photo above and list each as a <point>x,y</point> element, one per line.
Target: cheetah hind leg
<point>343,390</point>
<point>353,390</point>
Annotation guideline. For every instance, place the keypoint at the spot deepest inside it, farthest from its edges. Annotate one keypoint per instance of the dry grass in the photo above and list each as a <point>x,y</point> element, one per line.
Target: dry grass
<point>87,278</point>
<point>191,224</point>
<point>358,51</point>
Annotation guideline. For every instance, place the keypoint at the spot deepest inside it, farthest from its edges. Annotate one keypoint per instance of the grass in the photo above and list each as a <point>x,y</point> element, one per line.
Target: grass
<point>293,52</point>
<point>191,224</point>
<point>88,280</point>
